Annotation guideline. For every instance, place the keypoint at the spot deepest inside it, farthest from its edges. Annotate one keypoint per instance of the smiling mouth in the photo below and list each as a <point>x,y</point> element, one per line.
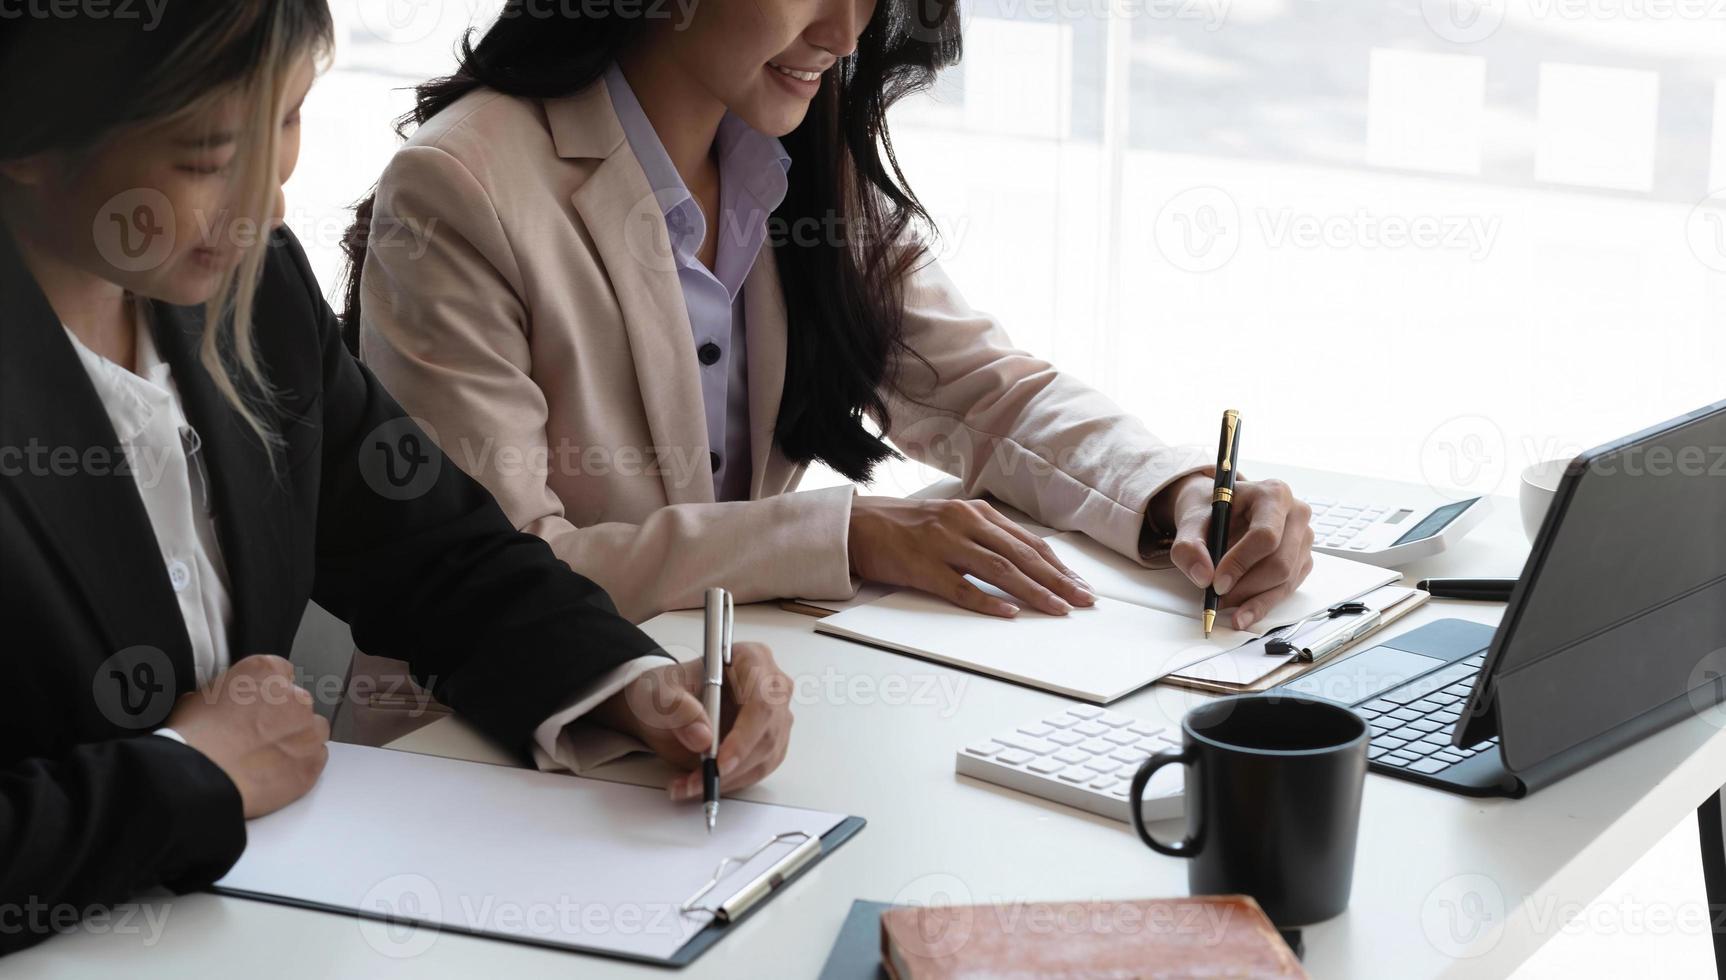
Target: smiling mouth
<point>802,76</point>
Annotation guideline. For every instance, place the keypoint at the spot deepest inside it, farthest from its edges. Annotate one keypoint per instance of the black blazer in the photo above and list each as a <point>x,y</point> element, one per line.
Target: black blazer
<point>421,563</point>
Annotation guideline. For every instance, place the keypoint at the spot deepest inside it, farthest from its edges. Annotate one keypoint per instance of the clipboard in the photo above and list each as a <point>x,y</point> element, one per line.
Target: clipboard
<point>518,841</point>
<point>1250,668</point>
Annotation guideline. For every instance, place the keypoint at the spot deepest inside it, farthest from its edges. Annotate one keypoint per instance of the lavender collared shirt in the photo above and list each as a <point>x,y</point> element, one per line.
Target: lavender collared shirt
<point>752,182</point>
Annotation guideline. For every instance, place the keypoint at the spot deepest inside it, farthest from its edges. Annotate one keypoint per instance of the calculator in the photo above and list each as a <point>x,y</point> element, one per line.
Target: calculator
<point>1390,534</point>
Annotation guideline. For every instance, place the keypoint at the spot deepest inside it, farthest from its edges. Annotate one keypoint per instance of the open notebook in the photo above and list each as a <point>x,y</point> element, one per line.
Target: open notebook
<point>540,858</point>
<point>1144,626</point>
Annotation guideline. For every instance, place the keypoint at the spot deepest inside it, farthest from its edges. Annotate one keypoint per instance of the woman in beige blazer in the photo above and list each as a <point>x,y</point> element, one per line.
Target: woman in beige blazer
<point>539,289</point>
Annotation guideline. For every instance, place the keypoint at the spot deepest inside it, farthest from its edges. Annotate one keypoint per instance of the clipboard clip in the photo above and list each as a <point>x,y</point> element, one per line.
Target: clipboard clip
<point>761,885</point>
<point>1283,645</point>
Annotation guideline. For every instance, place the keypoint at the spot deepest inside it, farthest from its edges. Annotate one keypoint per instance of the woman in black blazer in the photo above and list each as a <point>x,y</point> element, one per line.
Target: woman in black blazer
<point>145,716</point>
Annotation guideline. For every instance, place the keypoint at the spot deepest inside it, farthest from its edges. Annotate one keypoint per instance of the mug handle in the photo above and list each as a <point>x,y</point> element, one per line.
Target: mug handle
<point>1186,846</point>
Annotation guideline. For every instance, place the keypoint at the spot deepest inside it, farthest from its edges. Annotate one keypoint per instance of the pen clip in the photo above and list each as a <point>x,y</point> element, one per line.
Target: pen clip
<point>727,613</point>
<point>1282,645</point>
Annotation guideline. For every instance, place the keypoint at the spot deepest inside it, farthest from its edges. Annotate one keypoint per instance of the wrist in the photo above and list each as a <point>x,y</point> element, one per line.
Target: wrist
<point>614,713</point>
<point>1157,534</point>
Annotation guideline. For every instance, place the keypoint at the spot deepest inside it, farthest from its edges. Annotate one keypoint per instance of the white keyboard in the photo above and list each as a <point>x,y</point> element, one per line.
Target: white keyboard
<point>1082,756</point>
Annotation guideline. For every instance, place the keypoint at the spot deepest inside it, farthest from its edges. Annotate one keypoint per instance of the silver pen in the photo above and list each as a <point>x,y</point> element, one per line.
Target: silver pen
<point>716,656</point>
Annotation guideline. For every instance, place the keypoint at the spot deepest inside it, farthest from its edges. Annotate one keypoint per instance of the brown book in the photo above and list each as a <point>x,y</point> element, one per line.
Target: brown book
<point>1214,936</point>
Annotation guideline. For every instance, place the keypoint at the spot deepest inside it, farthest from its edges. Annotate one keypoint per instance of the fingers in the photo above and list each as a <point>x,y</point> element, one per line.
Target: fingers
<point>1266,513</point>
<point>1034,557</point>
<point>763,708</point>
<point>1256,608</point>
<point>760,732</point>
<point>939,578</point>
<point>998,570</point>
<point>1286,564</point>
<point>667,714</point>
<point>1191,513</point>
<point>1190,552</point>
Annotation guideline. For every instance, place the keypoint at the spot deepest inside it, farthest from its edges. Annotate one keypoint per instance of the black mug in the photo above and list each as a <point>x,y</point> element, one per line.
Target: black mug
<point>1273,786</point>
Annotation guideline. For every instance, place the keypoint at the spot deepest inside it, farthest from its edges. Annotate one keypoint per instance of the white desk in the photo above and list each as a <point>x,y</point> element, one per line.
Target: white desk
<point>875,736</point>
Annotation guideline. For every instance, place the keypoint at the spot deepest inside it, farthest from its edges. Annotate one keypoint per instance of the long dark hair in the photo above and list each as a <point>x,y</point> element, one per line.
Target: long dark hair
<point>844,293</point>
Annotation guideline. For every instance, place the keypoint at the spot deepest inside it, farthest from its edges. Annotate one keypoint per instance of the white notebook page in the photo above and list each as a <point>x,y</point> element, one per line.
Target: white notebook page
<point>499,850</point>
<point>1097,654</point>
<point>1333,580</point>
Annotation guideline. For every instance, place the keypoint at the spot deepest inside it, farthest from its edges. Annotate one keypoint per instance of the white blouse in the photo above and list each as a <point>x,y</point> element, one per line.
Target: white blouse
<point>162,450</point>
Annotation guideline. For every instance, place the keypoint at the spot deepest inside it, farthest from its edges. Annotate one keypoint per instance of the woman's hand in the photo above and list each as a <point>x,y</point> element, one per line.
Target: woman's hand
<point>663,709</point>
<point>257,725</point>
<point>1269,549</point>
<point>933,544</point>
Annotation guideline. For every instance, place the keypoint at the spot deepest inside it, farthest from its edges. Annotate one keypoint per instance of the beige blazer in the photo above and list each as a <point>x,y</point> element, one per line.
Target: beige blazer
<point>520,299</point>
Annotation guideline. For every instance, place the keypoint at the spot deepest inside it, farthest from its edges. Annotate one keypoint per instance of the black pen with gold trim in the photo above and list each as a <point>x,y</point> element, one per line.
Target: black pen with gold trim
<point>1228,458</point>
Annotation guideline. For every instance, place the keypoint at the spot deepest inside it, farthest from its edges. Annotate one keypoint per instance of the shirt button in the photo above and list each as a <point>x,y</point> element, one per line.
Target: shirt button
<point>179,576</point>
<point>716,461</point>
<point>709,353</point>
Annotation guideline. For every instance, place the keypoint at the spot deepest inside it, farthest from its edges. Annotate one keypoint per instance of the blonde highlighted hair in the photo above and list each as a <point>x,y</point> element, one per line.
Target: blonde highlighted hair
<point>68,84</point>
<point>227,351</point>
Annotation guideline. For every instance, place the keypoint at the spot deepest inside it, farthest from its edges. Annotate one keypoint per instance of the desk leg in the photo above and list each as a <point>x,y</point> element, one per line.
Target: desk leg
<point>1712,825</point>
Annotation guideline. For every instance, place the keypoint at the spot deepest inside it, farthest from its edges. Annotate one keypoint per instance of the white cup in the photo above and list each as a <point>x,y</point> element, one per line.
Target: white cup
<point>1539,485</point>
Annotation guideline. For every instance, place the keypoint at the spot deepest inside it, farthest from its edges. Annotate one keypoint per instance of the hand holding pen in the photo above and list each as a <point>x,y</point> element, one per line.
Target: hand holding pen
<point>664,709</point>
<point>1269,543</point>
